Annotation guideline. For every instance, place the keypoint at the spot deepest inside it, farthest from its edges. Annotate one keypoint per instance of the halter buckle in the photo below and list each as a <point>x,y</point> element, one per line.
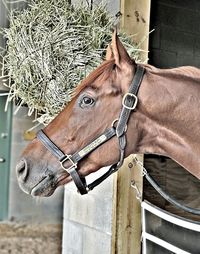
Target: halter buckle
<point>135,101</point>
<point>63,160</point>
<point>114,124</point>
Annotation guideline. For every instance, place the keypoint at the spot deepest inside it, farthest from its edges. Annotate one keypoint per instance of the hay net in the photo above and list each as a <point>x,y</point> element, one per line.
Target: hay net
<point>51,46</point>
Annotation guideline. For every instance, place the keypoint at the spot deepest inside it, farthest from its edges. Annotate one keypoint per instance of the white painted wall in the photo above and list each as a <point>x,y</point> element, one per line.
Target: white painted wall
<point>87,224</point>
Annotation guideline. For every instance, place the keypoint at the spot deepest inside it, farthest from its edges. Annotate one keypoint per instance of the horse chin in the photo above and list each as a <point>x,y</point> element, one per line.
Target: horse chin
<point>44,188</point>
<point>48,185</point>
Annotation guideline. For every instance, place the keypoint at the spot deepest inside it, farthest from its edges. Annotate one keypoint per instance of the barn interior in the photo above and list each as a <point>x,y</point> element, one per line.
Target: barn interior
<point>174,42</point>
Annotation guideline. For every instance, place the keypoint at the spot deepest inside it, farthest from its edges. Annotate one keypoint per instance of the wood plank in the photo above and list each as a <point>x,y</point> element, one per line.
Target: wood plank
<point>135,21</point>
<point>128,210</point>
<point>126,207</point>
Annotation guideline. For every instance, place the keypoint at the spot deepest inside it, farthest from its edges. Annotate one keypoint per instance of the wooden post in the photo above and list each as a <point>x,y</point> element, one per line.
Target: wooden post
<point>127,209</point>
<point>135,21</point>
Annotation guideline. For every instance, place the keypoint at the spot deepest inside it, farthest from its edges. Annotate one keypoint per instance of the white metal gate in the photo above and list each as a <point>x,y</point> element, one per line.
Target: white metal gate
<point>165,233</point>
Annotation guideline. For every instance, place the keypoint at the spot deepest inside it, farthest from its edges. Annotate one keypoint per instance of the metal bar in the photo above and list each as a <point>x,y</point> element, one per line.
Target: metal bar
<point>195,226</point>
<point>163,244</point>
<point>144,241</point>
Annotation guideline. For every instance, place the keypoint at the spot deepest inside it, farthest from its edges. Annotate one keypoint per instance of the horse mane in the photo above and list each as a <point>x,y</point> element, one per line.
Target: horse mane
<point>105,68</point>
<point>186,72</point>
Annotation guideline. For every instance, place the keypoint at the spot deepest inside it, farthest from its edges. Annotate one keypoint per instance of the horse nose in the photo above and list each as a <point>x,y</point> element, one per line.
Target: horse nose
<point>22,170</point>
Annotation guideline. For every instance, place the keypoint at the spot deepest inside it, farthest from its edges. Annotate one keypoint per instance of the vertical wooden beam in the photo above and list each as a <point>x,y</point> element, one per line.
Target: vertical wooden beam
<point>135,21</point>
<point>127,224</point>
<point>127,209</point>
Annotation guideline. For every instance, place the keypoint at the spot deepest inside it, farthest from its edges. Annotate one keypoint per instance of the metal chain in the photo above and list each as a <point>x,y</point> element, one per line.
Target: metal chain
<point>144,171</point>
<point>138,193</point>
<point>133,183</point>
<point>165,195</point>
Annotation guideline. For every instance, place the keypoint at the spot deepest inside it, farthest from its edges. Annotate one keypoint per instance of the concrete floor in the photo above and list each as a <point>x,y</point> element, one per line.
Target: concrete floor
<point>31,239</point>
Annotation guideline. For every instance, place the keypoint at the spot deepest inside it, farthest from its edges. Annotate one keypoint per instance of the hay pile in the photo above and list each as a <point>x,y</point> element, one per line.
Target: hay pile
<point>51,47</point>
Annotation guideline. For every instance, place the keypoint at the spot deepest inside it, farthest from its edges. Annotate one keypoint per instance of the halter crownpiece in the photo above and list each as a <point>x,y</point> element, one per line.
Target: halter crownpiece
<point>129,103</point>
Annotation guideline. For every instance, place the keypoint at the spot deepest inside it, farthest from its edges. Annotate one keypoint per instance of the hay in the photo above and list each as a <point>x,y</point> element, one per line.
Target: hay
<point>51,47</point>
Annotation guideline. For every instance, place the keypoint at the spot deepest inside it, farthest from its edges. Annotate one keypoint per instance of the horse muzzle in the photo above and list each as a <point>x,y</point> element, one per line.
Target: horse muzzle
<point>41,184</point>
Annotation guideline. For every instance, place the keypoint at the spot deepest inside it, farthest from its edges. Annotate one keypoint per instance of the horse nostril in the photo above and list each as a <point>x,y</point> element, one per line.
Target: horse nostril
<point>22,170</point>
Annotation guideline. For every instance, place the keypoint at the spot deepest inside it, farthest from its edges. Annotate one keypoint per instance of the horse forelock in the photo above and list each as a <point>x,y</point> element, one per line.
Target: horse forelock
<point>104,70</point>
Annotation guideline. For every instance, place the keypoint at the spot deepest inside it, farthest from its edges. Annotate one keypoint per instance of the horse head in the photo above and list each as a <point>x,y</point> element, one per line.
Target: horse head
<point>96,104</point>
<point>161,123</point>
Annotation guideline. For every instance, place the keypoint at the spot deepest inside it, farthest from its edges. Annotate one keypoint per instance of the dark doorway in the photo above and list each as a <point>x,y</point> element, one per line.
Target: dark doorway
<point>175,42</point>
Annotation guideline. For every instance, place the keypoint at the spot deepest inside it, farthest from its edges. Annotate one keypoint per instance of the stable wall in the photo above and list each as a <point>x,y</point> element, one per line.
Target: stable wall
<point>176,39</point>
<point>88,219</point>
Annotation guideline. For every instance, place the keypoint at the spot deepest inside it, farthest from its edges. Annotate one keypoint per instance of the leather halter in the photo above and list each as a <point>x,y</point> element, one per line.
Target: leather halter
<point>119,127</point>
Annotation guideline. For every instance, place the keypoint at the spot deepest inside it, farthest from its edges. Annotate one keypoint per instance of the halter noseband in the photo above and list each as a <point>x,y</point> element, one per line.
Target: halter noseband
<point>119,127</point>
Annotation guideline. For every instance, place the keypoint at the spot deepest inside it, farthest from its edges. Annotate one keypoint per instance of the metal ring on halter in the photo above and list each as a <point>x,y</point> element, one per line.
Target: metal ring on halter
<point>115,122</point>
<point>73,166</point>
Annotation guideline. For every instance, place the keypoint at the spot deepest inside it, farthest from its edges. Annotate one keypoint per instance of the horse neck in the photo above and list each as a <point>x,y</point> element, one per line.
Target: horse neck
<point>165,119</point>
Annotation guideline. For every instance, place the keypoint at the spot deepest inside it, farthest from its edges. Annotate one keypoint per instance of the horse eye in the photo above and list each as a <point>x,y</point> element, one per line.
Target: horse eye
<point>86,101</point>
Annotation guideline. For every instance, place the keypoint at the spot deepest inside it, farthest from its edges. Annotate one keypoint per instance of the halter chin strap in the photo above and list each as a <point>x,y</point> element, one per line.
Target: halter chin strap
<point>129,103</point>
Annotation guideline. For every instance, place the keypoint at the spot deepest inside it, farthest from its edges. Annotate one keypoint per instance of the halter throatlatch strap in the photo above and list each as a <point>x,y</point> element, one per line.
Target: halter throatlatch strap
<point>69,162</point>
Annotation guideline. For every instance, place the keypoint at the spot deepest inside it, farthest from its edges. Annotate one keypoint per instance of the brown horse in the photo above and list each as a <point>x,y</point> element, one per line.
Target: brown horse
<point>166,121</point>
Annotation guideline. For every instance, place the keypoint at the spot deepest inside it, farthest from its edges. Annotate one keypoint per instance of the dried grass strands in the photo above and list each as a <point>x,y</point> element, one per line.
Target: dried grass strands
<point>51,47</point>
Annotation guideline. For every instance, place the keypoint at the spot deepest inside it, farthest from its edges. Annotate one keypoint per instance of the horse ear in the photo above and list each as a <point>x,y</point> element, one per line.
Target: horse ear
<point>120,54</point>
<point>109,53</point>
